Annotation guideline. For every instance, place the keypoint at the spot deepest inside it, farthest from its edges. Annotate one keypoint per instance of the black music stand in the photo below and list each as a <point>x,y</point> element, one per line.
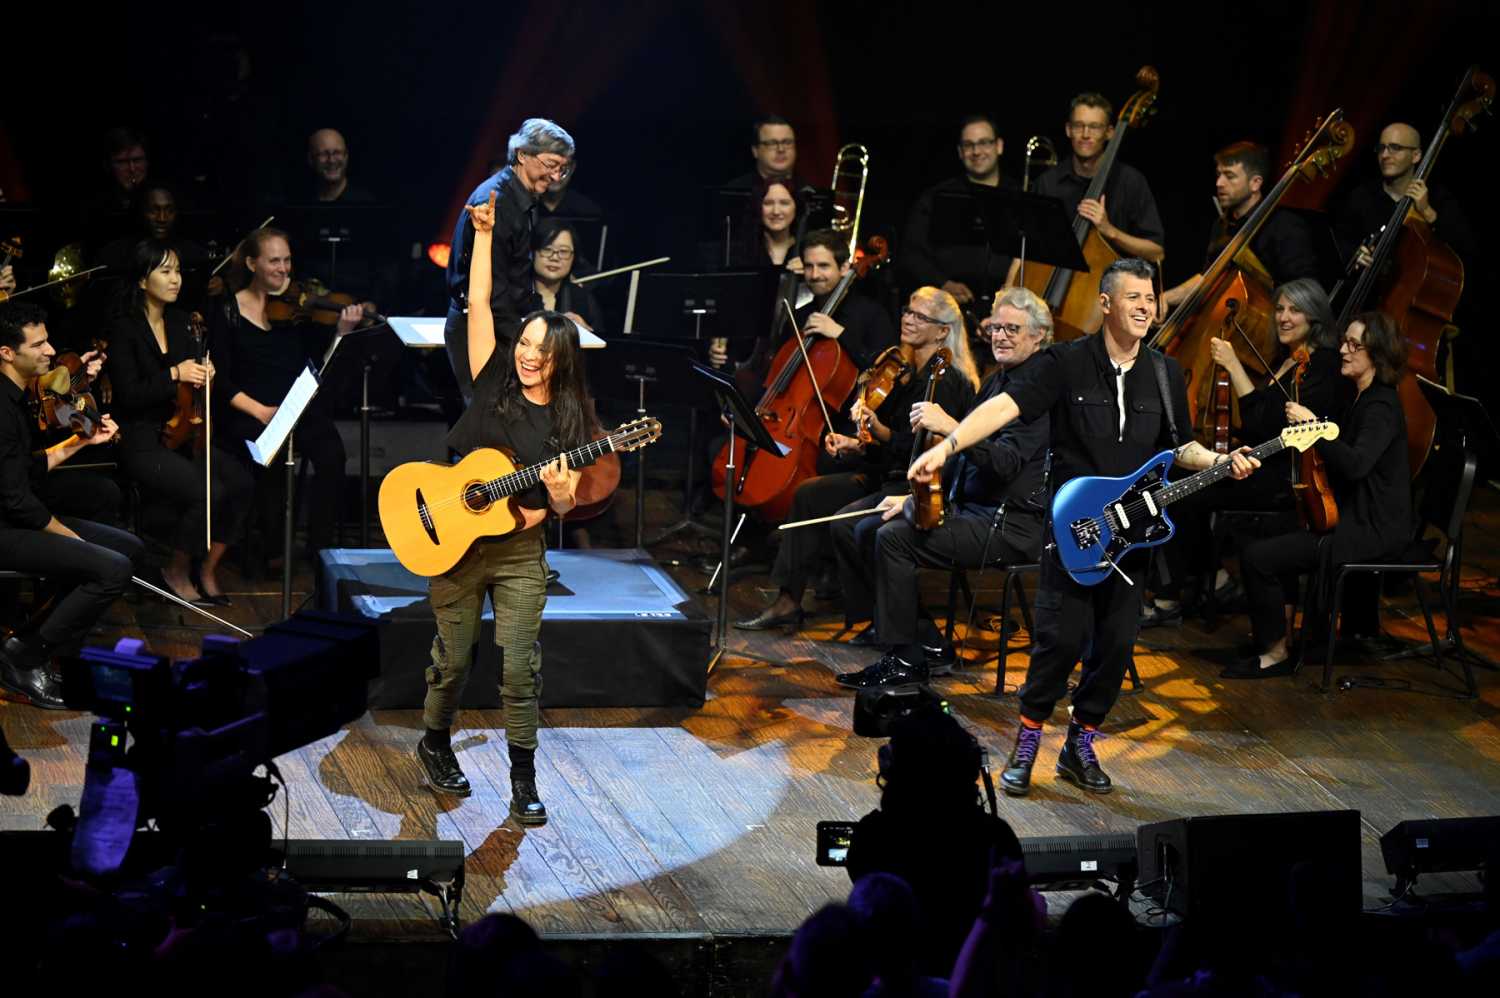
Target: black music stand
<point>692,308</point>
<point>740,414</point>
<point>633,363</point>
<point>1008,223</point>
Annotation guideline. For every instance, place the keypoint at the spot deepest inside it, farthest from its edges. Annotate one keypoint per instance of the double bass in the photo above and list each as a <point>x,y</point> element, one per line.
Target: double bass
<point>809,376</point>
<point>1073,296</point>
<point>1237,275</point>
<point>1416,278</point>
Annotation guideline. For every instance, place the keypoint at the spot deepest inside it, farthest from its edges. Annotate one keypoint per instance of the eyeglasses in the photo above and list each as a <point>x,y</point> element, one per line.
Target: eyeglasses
<point>1381,148</point>
<point>1089,127</point>
<point>911,313</point>
<point>554,253</point>
<point>976,146</point>
<point>993,329</point>
<point>1353,345</point>
<point>558,169</point>
<point>777,143</point>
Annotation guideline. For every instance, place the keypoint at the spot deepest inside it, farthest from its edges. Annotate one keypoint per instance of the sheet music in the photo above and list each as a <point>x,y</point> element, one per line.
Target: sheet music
<point>426,333</point>
<point>265,447</point>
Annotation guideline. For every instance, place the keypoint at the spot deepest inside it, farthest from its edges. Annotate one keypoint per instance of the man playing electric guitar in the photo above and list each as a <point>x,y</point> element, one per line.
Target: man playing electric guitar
<point>1108,403</point>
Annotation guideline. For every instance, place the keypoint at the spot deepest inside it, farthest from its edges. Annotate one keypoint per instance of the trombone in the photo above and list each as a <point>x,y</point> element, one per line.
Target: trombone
<point>1046,159</point>
<point>852,165</point>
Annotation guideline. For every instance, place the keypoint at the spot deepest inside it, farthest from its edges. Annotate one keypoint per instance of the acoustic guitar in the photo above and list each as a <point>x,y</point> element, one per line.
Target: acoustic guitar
<point>433,513</point>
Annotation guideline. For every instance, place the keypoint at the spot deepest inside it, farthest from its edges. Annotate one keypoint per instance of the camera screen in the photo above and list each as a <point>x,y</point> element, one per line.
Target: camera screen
<point>833,842</point>
<point>113,684</point>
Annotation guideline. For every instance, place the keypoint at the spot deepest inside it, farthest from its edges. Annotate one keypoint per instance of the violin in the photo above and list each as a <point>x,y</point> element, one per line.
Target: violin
<point>1218,416</point>
<point>60,399</point>
<point>303,302</point>
<point>892,367</point>
<point>927,497</point>
<point>186,422</point>
<point>1317,510</point>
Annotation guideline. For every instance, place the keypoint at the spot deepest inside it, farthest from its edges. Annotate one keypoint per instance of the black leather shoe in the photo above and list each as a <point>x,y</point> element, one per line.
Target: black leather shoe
<point>23,655</point>
<point>1077,762</point>
<point>768,621</point>
<point>525,806</point>
<point>38,687</point>
<point>866,638</point>
<point>440,766</point>
<point>1015,778</point>
<point>891,670</point>
<point>940,660</point>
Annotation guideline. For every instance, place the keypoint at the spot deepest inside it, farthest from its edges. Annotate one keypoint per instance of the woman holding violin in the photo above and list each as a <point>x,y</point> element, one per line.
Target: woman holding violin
<point>259,339</point>
<point>1369,470</point>
<point>868,464</point>
<point>159,368</point>
<point>1305,369</point>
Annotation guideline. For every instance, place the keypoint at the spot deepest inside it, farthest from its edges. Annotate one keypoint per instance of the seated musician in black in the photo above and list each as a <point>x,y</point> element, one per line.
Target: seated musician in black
<point>773,148</point>
<point>1370,472</point>
<point>968,273</point>
<point>1109,414</point>
<point>1367,208</point>
<point>1304,368</point>
<point>1125,216</point>
<point>554,253</point>
<point>256,366</point>
<point>998,488</point>
<point>930,322</point>
<point>152,353</point>
<point>156,210</point>
<point>1284,244</point>
<point>90,563</point>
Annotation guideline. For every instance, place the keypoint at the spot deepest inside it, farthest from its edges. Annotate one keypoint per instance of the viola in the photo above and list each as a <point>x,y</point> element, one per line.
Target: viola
<point>303,302</point>
<point>927,509</point>
<point>892,367</point>
<point>186,422</point>
<point>1317,509</point>
<point>60,399</point>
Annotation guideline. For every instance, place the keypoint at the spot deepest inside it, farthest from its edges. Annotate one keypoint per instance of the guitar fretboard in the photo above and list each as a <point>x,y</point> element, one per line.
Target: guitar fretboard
<point>1180,490</point>
<point>519,481</point>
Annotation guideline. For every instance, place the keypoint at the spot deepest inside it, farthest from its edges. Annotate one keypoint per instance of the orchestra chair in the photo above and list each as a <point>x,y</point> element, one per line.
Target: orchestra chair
<point>1443,506</point>
<point>1224,524</point>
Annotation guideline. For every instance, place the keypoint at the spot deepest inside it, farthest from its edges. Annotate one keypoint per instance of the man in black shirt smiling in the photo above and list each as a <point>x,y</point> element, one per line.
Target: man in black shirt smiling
<point>92,562</point>
<point>1109,415</point>
<point>540,153</point>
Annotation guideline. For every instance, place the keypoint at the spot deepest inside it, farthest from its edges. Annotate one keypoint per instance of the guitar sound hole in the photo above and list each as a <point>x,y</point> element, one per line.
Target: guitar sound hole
<point>476,500</point>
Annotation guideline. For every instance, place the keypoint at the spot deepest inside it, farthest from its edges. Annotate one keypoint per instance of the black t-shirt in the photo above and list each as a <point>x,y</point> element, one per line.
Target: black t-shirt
<point>525,432</point>
<point>1284,245</point>
<point>1075,382</point>
<point>953,392</point>
<point>1127,198</point>
<point>924,261</point>
<point>1368,208</point>
<point>262,363</point>
<point>23,467</point>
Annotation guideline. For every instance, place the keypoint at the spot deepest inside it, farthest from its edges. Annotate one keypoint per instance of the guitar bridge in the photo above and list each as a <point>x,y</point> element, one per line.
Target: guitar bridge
<point>1085,533</point>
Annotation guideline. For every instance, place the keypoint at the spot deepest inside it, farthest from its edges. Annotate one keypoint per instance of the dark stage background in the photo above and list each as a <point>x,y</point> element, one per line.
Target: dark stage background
<point>659,96</point>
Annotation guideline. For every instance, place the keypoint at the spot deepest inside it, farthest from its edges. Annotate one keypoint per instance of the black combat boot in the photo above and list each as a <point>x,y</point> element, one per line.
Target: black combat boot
<point>1077,762</point>
<point>1015,778</point>
<point>440,765</point>
<point>525,806</point>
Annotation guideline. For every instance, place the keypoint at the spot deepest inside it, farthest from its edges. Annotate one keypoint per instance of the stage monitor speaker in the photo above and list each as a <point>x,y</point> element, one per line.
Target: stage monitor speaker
<point>1240,865</point>
<point>407,866</point>
<point>1080,862</point>
<point>1439,845</point>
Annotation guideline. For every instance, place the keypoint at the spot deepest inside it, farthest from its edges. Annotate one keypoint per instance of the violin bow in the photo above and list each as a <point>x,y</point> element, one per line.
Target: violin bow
<point>189,606</point>
<point>1233,321</point>
<point>230,255</point>
<point>802,345</point>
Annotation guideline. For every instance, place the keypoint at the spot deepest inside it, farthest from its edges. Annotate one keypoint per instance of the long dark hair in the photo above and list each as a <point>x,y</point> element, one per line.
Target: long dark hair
<point>148,255</point>
<point>573,420</point>
<point>752,237</point>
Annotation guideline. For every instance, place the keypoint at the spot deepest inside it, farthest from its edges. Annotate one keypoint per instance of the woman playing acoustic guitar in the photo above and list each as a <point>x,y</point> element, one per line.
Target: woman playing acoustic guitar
<point>530,401</point>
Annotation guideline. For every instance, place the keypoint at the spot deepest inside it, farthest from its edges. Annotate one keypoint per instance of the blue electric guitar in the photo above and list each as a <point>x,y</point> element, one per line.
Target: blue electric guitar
<point>1096,520</point>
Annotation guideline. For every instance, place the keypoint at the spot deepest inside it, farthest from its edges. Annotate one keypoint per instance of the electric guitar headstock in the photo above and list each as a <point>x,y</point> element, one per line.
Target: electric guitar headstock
<point>1308,432</point>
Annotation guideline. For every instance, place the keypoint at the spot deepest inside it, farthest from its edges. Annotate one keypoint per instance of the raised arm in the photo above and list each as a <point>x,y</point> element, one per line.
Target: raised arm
<point>481,318</point>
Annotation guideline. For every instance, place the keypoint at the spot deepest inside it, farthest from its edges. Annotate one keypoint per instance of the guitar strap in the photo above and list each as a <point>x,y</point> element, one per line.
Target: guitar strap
<point>1159,365</point>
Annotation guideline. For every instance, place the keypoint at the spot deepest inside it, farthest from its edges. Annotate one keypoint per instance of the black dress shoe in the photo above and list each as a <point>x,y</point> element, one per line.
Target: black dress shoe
<point>24,656</point>
<point>1078,764</point>
<point>525,806</point>
<point>891,670</point>
<point>940,660</point>
<point>768,621</point>
<point>1249,668</point>
<point>866,638</point>
<point>440,766</point>
<point>1015,778</point>
<point>38,687</point>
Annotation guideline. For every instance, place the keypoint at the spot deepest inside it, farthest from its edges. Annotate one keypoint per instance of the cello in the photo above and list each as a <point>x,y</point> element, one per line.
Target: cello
<point>1073,296</point>
<point>1237,275</point>
<point>806,380</point>
<point>1416,278</point>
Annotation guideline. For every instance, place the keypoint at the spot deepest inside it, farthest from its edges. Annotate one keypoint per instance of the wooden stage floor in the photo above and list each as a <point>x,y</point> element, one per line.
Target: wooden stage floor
<point>702,822</point>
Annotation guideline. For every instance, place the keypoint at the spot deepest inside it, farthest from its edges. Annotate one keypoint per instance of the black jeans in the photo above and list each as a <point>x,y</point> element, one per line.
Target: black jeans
<point>90,573</point>
<point>1098,623</point>
<point>318,440</point>
<point>174,480</point>
<point>84,493</point>
<point>804,548</point>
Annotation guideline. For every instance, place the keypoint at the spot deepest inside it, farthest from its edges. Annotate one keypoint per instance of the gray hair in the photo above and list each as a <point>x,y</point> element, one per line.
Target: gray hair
<point>1037,312</point>
<point>1307,296</point>
<point>1131,266</point>
<point>538,135</point>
